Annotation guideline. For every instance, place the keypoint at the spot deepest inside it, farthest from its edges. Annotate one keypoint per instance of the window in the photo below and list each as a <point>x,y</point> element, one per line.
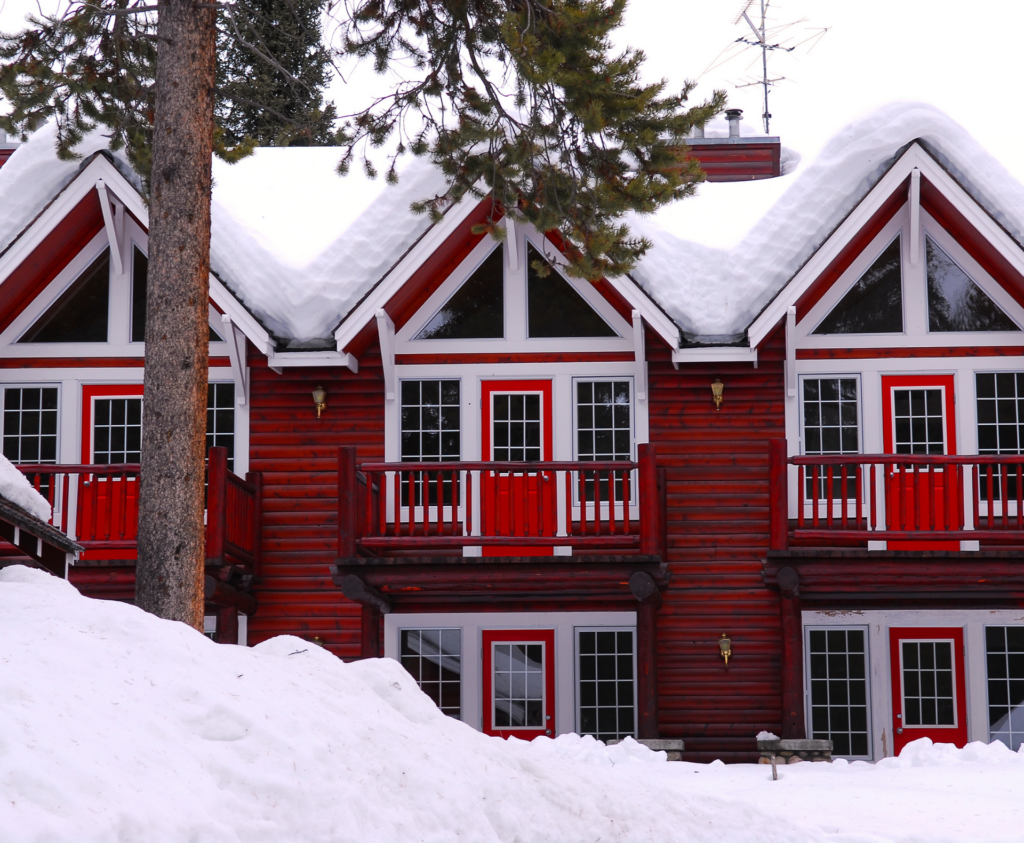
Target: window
<point>927,668</point>
<point>518,685</point>
<point>431,419</point>
<point>140,272</point>
<point>1000,412</point>
<point>516,426</point>
<point>30,424</point>
<point>80,314</point>
<point>839,689</point>
<point>874,305</point>
<point>831,425</point>
<point>117,430</point>
<point>554,308</point>
<point>433,658</point>
<point>220,419</point>
<point>607,688</point>
<point>604,429</point>
<point>956,302</point>
<point>476,310</point>
<point>918,421</point>
<point>1005,651</point>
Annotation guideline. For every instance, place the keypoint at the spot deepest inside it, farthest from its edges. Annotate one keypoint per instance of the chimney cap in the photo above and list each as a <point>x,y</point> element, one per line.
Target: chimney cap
<point>733,113</point>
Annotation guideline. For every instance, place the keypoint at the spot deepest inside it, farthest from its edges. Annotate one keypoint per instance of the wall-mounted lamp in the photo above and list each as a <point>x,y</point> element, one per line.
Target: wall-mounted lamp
<point>716,392</point>
<point>320,399</point>
<point>725,647</point>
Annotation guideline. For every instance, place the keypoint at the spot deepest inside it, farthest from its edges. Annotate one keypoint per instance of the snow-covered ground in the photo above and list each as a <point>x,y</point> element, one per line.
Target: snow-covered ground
<point>117,726</point>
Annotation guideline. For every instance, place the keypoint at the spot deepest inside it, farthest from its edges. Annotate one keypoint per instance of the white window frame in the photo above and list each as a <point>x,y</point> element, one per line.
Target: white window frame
<point>576,666</point>
<point>634,499</point>
<point>473,625</point>
<point>868,670</point>
<point>37,385</point>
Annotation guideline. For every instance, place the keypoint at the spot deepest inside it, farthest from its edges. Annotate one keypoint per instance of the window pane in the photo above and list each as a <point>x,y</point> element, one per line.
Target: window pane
<point>80,314</point>
<point>117,430</point>
<point>606,691</point>
<point>839,689</point>
<point>431,418</point>
<point>874,305</point>
<point>603,432</point>
<point>955,302</point>
<point>30,424</point>
<point>220,419</point>
<point>476,310</point>
<point>831,426</point>
<point>1005,662</point>
<point>433,658</point>
<point>554,308</point>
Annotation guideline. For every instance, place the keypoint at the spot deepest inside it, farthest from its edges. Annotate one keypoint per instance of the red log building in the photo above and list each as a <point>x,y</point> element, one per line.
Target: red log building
<point>785,494</point>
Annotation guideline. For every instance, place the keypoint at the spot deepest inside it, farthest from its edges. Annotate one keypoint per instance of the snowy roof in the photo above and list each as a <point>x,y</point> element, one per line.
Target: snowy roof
<point>300,245</point>
<point>719,259</point>
<point>15,488</point>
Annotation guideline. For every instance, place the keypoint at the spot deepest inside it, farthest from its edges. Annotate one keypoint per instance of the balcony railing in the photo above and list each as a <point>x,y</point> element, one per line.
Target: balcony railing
<point>895,498</point>
<point>511,508</point>
<point>97,506</point>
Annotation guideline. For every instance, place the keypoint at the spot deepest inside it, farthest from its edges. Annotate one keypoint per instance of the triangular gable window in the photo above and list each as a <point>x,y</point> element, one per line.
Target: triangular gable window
<point>956,302</point>
<point>874,305</point>
<point>555,309</point>
<point>476,310</point>
<point>80,314</point>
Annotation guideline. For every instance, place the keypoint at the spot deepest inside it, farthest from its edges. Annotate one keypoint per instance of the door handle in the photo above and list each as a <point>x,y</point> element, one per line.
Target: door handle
<point>547,731</point>
<point>899,731</point>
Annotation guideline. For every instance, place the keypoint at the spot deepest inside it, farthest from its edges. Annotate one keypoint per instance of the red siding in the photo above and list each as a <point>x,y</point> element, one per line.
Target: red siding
<point>298,455</point>
<point>738,162</point>
<point>717,467</point>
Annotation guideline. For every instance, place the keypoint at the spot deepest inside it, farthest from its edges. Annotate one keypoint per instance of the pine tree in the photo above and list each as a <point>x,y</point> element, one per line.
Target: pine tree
<point>272,69</point>
<point>520,100</point>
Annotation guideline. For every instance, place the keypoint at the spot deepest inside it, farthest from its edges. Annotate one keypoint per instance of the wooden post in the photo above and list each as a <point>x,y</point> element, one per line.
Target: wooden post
<point>647,670</point>
<point>370,633</point>
<point>650,502</point>
<point>778,495</point>
<point>256,478</point>
<point>227,625</point>
<point>216,505</point>
<point>347,502</point>
<point>793,725</point>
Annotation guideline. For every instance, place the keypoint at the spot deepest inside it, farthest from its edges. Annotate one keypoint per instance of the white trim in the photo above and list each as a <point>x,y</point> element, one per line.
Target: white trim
<point>386,334</point>
<point>914,157</point>
<point>278,360</point>
<point>915,216</point>
<point>239,365</point>
<point>715,354</point>
<point>113,222</point>
<point>973,622</point>
<point>638,356</point>
<point>473,624</point>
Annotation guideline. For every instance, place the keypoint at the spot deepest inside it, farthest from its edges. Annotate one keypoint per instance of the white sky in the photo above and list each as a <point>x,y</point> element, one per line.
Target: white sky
<point>962,58</point>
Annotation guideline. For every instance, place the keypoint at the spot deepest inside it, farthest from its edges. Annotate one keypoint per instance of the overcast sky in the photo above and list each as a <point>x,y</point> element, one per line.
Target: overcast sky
<point>962,57</point>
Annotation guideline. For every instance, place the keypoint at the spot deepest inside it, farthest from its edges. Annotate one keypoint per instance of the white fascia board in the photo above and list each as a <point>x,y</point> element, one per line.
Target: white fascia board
<point>711,354</point>
<point>293,359</point>
<point>915,156</point>
<point>240,317</point>
<point>366,311</point>
<point>652,314</point>
<point>99,169</point>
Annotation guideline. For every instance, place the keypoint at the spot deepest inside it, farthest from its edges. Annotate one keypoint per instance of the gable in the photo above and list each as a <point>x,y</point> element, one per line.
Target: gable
<point>896,207</point>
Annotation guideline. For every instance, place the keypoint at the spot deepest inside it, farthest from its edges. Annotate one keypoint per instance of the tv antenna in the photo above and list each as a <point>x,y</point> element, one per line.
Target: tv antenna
<point>767,40</point>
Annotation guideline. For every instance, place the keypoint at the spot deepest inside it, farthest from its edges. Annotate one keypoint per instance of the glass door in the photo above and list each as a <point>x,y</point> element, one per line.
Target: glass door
<point>519,683</point>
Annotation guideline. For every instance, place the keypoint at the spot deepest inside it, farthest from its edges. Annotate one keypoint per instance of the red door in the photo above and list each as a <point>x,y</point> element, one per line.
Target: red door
<point>516,427</point>
<point>920,419</point>
<point>519,683</point>
<point>928,687</point>
<point>111,435</point>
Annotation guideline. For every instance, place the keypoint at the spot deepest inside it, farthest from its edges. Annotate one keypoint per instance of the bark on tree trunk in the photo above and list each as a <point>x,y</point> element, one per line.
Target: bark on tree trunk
<point>171,538</point>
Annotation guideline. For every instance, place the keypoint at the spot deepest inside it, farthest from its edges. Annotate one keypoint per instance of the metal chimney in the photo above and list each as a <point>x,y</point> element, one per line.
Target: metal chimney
<point>697,132</point>
<point>733,115</point>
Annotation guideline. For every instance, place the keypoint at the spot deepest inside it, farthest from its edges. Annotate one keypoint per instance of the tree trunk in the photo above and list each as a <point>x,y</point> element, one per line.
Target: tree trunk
<point>171,535</point>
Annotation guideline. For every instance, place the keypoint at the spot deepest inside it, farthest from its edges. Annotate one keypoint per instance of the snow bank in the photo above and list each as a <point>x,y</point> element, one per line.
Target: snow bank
<point>715,289</point>
<point>14,486</point>
<point>119,726</point>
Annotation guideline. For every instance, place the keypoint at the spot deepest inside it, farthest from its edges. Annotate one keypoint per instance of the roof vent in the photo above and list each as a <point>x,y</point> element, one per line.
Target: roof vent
<point>733,115</point>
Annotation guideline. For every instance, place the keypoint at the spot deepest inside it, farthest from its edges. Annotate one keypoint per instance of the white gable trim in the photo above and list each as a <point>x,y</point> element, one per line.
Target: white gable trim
<point>914,157</point>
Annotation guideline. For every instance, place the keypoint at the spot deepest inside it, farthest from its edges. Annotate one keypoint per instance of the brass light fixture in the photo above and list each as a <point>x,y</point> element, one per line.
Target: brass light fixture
<point>716,392</point>
<point>725,647</point>
<point>320,399</point>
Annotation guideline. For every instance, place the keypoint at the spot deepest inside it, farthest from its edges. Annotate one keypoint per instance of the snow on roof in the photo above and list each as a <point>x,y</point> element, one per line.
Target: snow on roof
<point>14,487</point>
<point>714,285</point>
<point>300,245</point>
<point>33,176</point>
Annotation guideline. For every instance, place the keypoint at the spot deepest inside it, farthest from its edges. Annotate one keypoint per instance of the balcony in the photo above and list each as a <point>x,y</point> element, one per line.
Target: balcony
<point>895,501</point>
<point>499,509</point>
<point>97,506</point>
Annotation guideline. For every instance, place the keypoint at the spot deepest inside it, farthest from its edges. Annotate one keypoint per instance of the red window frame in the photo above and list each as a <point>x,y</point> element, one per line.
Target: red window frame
<point>519,636</point>
<point>523,387</point>
<point>891,382</point>
<point>89,393</point>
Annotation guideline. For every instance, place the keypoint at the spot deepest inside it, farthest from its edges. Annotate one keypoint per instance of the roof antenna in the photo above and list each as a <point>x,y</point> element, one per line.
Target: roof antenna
<point>765,40</point>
